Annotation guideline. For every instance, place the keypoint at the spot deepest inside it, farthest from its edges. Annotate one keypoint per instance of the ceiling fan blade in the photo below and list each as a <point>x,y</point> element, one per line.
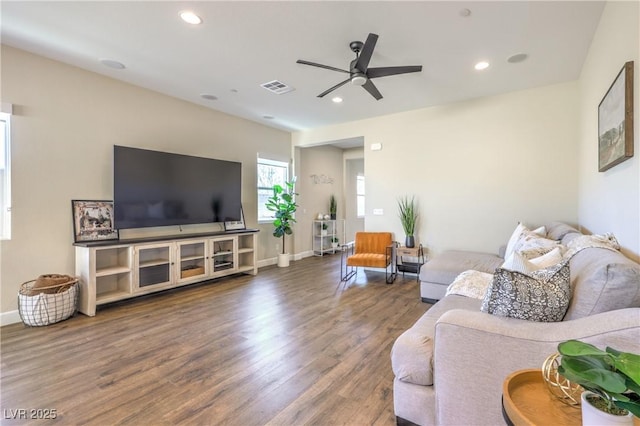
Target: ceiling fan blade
<point>385,71</point>
<point>372,89</point>
<point>334,88</point>
<point>367,50</point>
<point>313,64</point>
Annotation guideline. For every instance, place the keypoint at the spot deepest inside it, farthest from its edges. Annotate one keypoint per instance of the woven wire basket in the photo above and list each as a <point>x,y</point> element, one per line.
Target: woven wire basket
<point>46,305</point>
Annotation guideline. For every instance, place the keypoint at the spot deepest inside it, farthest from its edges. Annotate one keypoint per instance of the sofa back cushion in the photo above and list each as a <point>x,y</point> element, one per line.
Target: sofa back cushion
<point>602,280</point>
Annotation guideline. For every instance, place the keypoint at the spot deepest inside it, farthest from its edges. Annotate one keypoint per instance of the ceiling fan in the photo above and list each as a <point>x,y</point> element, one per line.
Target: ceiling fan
<point>359,72</point>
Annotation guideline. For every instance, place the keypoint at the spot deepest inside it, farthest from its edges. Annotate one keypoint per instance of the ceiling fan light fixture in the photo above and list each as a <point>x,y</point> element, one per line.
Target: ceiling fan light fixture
<point>359,79</point>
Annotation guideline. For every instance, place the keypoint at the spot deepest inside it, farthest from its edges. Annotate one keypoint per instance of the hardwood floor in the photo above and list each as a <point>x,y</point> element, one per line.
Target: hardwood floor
<point>286,347</point>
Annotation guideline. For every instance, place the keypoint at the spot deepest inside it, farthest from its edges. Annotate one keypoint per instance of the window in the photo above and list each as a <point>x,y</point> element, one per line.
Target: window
<point>270,172</point>
<point>360,196</point>
<point>5,177</point>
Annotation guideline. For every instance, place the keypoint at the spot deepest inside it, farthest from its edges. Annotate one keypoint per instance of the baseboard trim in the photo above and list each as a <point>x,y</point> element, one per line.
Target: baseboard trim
<point>274,260</point>
<point>11,317</point>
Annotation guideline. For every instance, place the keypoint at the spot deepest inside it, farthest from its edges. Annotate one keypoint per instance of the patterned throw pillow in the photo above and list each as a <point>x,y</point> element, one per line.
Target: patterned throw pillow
<point>532,245</point>
<point>541,296</point>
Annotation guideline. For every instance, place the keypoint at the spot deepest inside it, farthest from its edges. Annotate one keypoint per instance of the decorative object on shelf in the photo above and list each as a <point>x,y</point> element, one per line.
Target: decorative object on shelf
<point>283,204</point>
<point>320,216</point>
<point>334,242</point>
<point>408,217</point>
<point>558,385</point>
<point>615,121</point>
<point>324,230</point>
<point>93,220</point>
<point>611,380</point>
<point>230,226</point>
<point>327,217</point>
<point>333,207</point>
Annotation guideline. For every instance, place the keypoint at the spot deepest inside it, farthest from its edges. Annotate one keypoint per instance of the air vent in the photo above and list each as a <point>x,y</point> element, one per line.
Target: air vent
<point>277,87</point>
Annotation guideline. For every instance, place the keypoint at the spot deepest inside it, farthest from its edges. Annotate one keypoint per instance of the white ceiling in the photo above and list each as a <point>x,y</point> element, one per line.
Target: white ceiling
<point>242,44</point>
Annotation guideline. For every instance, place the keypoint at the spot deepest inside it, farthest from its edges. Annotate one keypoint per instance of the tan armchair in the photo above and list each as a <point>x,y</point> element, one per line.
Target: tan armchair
<point>371,250</point>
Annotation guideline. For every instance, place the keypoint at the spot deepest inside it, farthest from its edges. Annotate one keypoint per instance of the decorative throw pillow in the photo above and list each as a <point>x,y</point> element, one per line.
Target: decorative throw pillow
<point>517,235</point>
<point>532,245</point>
<point>541,296</point>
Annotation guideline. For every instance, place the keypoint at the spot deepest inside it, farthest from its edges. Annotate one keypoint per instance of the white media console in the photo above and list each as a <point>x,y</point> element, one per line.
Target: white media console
<point>116,270</point>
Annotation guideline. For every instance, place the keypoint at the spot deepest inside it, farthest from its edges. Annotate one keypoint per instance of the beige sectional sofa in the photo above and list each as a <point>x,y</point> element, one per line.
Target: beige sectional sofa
<point>450,365</point>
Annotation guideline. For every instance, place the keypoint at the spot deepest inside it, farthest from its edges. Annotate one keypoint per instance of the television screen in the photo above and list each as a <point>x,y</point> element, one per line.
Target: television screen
<point>153,188</point>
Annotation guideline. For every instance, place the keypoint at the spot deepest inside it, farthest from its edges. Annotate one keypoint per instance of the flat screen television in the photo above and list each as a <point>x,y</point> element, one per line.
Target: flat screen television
<point>153,188</point>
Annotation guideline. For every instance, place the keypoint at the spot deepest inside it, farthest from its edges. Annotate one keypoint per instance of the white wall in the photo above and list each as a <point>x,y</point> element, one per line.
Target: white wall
<point>64,126</point>
<point>610,201</point>
<point>475,167</point>
<point>320,176</point>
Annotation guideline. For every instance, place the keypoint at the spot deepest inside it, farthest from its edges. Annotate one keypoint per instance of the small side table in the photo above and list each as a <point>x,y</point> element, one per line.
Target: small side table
<point>527,401</point>
<point>414,264</point>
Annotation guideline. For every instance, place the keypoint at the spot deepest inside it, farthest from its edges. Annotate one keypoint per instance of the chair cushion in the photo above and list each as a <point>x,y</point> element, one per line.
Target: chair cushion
<point>372,242</point>
<point>371,260</point>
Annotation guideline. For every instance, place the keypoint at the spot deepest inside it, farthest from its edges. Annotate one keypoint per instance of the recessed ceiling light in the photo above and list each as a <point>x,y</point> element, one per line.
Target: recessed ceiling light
<point>112,64</point>
<point>337,99</point>
<point>482,65</point>
<point>518,57</point>
<point>268,117</point>
<point>190,18</point>
<point>209,97</point>
<point>465,12</point>
<point>234,90</point>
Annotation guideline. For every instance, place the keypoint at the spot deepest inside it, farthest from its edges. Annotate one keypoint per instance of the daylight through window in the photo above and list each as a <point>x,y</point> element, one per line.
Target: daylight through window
<point>270,172</point>
<point>5,177</point>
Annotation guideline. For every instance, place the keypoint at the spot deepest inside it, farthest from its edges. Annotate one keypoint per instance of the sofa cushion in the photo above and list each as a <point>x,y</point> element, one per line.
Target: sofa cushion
<point>412,352</point>
<point>542,295</point>
<point>602,280</point>
<point>444,268</point>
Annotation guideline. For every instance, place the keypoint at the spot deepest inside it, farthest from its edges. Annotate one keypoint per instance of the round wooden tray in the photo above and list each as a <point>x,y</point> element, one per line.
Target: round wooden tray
<point>527,401</point>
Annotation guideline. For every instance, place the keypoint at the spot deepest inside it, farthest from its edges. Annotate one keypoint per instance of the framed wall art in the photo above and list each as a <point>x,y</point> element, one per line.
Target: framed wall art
<point>93,220</point>
<point>615,121</point>
<point>232,226</point>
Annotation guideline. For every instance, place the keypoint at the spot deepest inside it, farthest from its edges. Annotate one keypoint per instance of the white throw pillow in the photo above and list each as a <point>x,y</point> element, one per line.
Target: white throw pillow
<point>546,260</point>
<point>515,236</point>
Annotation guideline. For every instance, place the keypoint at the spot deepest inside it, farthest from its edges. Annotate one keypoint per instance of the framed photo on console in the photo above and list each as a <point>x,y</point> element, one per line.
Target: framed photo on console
<point>232,226</point>
<point>93,220</point>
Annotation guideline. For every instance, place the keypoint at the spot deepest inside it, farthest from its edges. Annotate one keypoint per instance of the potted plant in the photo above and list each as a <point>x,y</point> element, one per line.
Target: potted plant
<point>334,242</point>
<point>611,380</point>
<point>408,217</point>
<point>333,207</point>
<point>323,232</point>
<point>283,204</point>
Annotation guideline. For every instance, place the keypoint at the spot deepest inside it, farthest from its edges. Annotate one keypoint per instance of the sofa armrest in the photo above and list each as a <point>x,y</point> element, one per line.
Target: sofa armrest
<point>474,352</point>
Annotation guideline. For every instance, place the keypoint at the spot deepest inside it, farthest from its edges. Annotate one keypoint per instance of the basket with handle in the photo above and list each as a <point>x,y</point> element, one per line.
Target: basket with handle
<point>47,299</point>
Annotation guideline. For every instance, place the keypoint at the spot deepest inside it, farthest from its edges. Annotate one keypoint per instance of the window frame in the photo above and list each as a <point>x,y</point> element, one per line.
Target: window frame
<point>359,195</point>
<point>5,176</point>
<point>273,163</point>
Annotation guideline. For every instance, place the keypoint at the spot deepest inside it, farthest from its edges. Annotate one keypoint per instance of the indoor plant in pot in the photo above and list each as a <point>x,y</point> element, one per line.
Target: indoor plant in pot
<point>611,380</point>
<point>334,242</point>
<point>333,207</point>
<point>283,204</point>
<point>408,217</point>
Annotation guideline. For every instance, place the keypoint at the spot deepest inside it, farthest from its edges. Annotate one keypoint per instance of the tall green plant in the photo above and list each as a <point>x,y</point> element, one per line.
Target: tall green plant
<point>283,204</point>
<point>611,374</point>
<point>408,215</point>
<point>333,205</point>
